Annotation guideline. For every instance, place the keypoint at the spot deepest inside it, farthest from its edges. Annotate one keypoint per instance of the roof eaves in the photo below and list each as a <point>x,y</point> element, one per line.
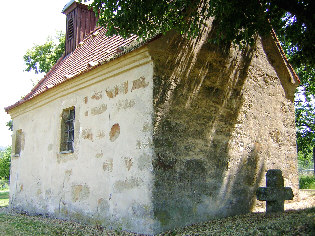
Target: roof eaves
<point>27,96</point>
<point>67,5</point>
<point>286,60</point>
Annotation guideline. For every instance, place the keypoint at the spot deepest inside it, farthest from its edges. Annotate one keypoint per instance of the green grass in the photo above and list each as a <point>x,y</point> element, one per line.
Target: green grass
<point>307,182</point>
<point>4,198</point>
<point>4,184</point>
<point>34,225</point>
<point>300,222</point>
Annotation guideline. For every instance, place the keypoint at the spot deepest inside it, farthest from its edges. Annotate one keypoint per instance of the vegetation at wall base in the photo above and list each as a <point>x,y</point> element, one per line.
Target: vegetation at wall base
<point>307,182</point>
<point>299,222</point>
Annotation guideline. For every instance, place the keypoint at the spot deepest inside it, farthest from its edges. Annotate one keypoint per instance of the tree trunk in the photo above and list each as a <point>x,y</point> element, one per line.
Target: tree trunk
<point>314,159</point>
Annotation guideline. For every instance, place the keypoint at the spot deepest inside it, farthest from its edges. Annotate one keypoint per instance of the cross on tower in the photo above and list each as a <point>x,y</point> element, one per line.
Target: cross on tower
<point>274,193</point>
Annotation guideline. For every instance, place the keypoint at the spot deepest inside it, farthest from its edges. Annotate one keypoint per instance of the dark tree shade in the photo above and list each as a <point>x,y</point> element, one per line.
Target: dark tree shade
<point>236,21</point>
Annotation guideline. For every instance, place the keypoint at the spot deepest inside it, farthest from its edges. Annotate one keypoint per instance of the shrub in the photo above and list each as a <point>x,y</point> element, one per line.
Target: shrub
<point>307,182</point>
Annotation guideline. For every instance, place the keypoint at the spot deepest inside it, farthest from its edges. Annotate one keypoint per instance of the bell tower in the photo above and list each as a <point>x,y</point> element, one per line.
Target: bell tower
<point>80,22</point>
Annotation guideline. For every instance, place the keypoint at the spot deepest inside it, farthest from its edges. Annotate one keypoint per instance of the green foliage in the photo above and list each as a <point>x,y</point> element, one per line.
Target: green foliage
<point>290,37</point>
<point>305,115</point>
<point>307,182</point>
<point>41,58</point>
<point>4,197</point>
<point>4,184</point>
<point>305,124</point>
<point>5,162</point>
<point>9,124</point>
<point>235,21</point>
<point>305,158</point>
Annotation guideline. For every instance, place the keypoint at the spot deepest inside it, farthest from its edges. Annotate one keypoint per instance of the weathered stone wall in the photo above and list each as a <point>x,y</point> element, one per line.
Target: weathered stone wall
<point>222,118</point>
<point>107,179</point>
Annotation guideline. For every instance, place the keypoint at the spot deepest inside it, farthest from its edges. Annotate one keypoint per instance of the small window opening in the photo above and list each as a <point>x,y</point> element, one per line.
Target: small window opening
<point>18,142</point>
<point>67,130</point>
<point>70,29</point>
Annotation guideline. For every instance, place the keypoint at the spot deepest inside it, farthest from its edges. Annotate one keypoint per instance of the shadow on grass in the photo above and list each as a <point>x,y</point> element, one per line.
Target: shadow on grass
<point>293,222</point>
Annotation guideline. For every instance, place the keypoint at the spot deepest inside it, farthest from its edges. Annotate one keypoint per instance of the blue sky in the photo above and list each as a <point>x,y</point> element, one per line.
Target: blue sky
<point>23,24</point>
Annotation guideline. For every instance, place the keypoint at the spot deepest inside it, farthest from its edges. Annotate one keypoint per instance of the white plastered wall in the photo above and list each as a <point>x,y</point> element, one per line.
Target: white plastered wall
<point>108,176</point>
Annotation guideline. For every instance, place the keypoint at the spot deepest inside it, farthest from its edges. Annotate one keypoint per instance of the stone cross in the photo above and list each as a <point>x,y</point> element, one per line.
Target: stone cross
<point>274,193</point>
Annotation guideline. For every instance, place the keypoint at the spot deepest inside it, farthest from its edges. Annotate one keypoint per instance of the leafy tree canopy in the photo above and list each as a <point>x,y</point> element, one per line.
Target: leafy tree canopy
<point>41,58</point>
<point>5,162</point>
<point>9,124</point>
<point>305,123</point>
<point>236,21</point>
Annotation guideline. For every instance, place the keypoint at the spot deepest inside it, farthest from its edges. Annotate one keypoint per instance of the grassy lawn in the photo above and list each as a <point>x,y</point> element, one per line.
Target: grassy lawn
<point>4,198</point>
<point>300,222</point>
<point>35,225</point>
<point>307,182</point>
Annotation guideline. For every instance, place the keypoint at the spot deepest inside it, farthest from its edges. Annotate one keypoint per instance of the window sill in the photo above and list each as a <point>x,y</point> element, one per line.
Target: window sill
<point>66,152</point>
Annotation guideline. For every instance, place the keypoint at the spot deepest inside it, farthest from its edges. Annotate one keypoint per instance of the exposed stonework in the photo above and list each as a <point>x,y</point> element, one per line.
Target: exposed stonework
<point>108,165</point>
<point>118,89</point>
<point>97,95</point>
<point>99,155</point>
<point>87,134</point>
<point>125,104</point>
<point>80,192</point>
<point>139,83</point>
<point>114,132</point>
<point>214,135</point>
<point>127,184</point>
<point>128,163</point>
<point>101,134</point>
<point>99,110</point>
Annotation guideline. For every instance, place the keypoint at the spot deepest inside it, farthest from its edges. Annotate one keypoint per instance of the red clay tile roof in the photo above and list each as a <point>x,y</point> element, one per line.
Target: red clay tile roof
<point>96,49</point>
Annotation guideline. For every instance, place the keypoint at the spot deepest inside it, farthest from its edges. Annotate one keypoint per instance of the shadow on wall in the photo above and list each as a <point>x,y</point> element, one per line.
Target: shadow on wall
<point>198,97</point>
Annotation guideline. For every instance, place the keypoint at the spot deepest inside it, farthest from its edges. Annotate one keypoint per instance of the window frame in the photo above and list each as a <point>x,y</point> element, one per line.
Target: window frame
<point>67,130</point>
